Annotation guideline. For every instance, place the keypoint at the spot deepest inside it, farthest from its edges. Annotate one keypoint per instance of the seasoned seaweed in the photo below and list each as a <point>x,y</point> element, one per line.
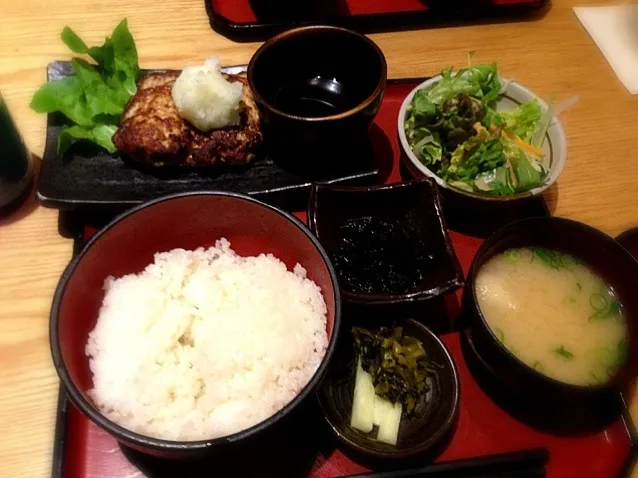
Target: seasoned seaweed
<point>378,256</point>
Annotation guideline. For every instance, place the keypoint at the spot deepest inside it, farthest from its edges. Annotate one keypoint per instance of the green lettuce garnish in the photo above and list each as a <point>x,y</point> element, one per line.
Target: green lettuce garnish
<point>522,121</point>
<point>93,99</point>
<point>480,82</point>
<point>424,118</point>
<point>487,156</point>
<point>528,177</point>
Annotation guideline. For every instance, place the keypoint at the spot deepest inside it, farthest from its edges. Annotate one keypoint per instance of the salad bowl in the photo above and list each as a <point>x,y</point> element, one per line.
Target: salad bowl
<point>512,95</point>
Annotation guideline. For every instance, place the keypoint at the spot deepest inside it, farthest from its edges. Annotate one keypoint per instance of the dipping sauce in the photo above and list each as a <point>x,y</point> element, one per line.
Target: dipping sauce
<point>313,97</point>
<point>379,256</point>
<point>554,313</point>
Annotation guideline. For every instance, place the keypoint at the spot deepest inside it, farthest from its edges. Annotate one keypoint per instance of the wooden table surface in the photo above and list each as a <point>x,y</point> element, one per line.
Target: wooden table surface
<point>549,55</point>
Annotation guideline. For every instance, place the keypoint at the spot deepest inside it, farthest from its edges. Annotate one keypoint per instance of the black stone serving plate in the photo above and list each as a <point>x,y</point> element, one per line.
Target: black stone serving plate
<point>90,178</point>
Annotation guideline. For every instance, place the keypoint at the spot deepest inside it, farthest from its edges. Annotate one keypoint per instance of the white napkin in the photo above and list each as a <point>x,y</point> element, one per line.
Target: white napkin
<point>615,30</point>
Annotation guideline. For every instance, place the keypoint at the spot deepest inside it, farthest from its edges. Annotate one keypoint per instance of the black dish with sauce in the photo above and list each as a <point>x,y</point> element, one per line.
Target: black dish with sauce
<point>317,88</point>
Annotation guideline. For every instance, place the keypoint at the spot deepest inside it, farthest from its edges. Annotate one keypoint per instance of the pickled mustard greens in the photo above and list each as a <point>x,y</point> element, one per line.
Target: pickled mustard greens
<point>554,313</point>
<point>95,97</point>
<point>453,127</point>
<point>397,363</point>
<point>392,372</point>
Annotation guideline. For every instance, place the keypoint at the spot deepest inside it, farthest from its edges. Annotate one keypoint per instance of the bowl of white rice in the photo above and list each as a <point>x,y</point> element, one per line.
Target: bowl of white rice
<point>195,320</point>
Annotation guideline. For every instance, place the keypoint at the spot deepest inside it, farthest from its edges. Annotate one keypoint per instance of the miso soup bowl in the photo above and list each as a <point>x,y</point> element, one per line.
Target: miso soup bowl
<point>602,254</point>
<point>127,245</point>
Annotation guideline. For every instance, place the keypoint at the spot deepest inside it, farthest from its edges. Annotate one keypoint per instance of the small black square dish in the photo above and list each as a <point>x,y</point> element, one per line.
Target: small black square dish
<point>389,244</point>
<point>92,179</point>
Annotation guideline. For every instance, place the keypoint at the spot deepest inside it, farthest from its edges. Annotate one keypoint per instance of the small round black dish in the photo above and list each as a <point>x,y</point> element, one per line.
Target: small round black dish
<point>629,240</point>
<point>414,210</point>
<point>317,88</point>
<point>604,256</point>
<point>421,436</point>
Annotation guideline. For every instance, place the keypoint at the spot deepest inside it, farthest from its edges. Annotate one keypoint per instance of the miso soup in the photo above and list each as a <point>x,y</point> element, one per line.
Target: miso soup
<point>554,313</point>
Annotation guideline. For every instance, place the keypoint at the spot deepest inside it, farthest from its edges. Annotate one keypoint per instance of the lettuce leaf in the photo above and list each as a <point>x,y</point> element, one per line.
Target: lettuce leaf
<point>420,118</point>
<point>96,96</point>
<point>422,109</point>
<point>528,177</point>
<point>491,117</point>
<point>100,134</point>
<point>428,149</point>
<point>481,82</point>
<point>498,181</point>
<point>523,120</point>
<point>66,96</point>
<point>73,41</point>
<point>433,133</point>
<point>487,155</point>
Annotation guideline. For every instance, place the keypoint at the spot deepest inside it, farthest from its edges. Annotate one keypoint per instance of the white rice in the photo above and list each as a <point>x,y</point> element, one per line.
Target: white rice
<point>205,343</point>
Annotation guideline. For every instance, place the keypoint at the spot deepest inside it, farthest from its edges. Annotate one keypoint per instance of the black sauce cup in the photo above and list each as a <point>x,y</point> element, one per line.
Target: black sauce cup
<point>317,88</point>
<point>603,255</point>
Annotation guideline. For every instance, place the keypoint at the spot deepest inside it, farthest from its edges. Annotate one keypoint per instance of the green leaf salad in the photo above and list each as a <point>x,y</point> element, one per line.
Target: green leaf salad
<point>95,97</point>
<point>454,128</point>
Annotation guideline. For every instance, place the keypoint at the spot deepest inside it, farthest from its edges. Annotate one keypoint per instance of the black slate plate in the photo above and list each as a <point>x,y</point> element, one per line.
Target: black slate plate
<point>90,178</point>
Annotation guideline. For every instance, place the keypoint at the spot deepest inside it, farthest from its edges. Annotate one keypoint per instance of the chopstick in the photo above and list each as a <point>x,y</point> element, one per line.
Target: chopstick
<point>530,473</point>
<point>519,464</point>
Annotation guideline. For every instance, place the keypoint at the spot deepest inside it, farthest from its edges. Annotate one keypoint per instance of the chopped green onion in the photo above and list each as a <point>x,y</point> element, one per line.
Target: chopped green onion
<point>604,356</point>
<point>563,352</point>
<point>553,259</point>
<point>605,306</point>
<point>512,255</point>
<point>499,335</point>
<point>597,381</point>
<point>569,262</point>
<point>623,351</point>
<point>538,366</point>
<point>598,302</point>
<point>570,301</point>
<point>615,308</point>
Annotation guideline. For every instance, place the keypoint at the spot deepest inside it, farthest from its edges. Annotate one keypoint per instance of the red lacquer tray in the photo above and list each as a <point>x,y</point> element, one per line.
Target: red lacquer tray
<point>82,450</point>
<point>251,20</point>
